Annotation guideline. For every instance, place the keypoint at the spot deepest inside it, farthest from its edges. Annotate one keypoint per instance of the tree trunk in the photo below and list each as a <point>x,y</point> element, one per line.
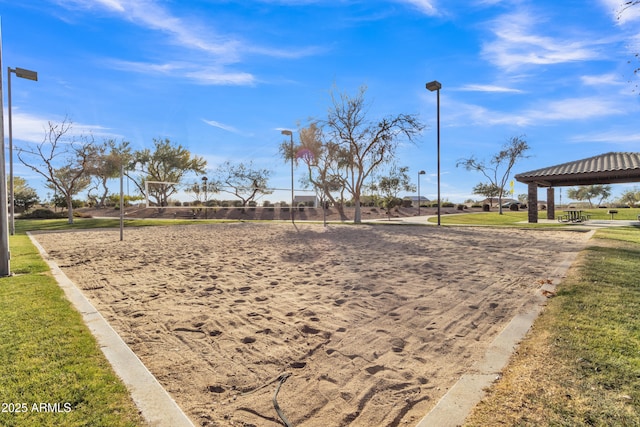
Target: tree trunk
<point>69,210</point>
<point>357,217</point>
<point>105,193</point>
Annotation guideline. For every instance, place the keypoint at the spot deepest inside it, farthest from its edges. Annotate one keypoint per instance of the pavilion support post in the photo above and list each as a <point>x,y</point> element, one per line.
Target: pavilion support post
<point>551,203</point>
<point>533,202</point>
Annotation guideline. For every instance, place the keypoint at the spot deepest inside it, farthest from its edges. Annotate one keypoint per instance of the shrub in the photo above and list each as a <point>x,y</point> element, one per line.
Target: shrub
<point>43,214</point>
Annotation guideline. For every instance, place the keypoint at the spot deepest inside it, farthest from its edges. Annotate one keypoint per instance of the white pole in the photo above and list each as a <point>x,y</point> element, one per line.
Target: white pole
<point>12,224</point>
<point>121,202</point>
<point>5,255</point>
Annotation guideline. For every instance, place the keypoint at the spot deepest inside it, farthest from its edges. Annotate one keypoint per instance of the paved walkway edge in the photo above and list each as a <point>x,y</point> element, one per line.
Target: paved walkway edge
<point>454,407</point>
<point>153,401</point>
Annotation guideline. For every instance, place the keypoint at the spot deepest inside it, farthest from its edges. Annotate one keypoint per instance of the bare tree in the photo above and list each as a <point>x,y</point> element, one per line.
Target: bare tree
<point>325,161</point>
<point>369,144</point>
<point>348,147</point>
<point>510,153</point>
<point>62,160</point>
<point>624,7</point>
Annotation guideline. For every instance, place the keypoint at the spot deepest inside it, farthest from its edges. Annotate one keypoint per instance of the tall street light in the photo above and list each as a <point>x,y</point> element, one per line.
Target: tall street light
<point>204,189</point>
<point>29,75</point>
<point>5,268</point>
<point>436,86</point>
<point>288,132</point>
<point>419,199</point>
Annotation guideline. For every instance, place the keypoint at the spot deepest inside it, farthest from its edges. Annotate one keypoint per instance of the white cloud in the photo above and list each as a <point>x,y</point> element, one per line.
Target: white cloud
<point>609,79</point>
<point>425,6</point>
<point>631,138</point>
<point>32,129</point>
<point>489,88</point>
<point>189,34</point>
<point>516,44</point>
<point>221,126</point>
<point>577,109</point>
<point>570,109</point>
<point>203,74</point>
<point>621,13</point>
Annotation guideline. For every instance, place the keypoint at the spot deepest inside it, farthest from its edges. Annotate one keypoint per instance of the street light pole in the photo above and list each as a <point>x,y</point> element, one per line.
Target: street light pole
<point>29,75</point>
<point>288,132</point>
<point>436,86</point>
<point>204,189</point>
<point>419,199</point>
<point>5,255</point>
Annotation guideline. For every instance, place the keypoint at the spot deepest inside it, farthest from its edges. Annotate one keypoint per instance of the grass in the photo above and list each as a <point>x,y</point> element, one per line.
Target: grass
<point>580,364</point>
<point>511,218</point>
<point>51,368</point>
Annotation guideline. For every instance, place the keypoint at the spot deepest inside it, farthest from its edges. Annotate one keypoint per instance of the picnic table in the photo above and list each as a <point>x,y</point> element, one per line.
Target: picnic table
<point>573,215</point>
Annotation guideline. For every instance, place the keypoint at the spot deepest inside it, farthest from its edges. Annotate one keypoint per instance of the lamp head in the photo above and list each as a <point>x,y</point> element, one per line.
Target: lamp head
<point>287,132</point>
<point>26,74</point>
<point>434,85</point>
<point>421,173</point>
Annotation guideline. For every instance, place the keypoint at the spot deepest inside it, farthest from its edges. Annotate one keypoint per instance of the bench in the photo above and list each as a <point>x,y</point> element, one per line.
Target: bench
<point>612,212</point>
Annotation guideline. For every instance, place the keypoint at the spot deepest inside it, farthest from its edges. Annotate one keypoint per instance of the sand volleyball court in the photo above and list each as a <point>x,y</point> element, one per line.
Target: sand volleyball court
<point>372,324</point>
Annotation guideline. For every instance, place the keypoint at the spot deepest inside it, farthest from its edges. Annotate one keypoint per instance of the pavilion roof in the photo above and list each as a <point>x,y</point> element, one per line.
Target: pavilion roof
<point>608,168</point>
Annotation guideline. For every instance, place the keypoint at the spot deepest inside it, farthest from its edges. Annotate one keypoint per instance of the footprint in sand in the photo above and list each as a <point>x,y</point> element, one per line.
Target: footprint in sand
<point>397,345</point>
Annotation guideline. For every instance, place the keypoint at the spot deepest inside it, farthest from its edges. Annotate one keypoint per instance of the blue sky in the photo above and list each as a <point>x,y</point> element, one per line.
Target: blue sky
<point>223,77</point>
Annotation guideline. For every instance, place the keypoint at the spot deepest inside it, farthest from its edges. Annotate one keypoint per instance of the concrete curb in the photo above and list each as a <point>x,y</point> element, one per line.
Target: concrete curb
<point>454,407</point>
<point>155,404</point>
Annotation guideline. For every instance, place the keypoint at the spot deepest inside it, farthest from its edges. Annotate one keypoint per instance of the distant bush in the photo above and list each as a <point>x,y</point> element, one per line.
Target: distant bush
<point>447,205</point>
<point>43,214</point>
<point>83,215</point>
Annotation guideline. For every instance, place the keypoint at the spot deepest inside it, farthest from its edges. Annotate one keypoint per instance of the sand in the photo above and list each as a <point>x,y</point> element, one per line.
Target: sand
<point>372,323</point>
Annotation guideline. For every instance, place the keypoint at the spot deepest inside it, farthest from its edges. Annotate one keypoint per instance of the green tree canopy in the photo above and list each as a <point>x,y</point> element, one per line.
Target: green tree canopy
<point>589,192</point>
<point>166,162</point>
<point>389,187</point>
<point>243,181</point>
<point>24,197</point>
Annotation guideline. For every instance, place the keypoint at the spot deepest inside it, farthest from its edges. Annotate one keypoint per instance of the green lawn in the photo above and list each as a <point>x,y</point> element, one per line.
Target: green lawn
<point>580,364</point>
<point>514,217</point>
<point>52,372</point>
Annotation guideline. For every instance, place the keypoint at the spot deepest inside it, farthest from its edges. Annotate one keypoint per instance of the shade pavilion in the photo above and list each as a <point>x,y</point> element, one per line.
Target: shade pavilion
<point>608,168</point>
